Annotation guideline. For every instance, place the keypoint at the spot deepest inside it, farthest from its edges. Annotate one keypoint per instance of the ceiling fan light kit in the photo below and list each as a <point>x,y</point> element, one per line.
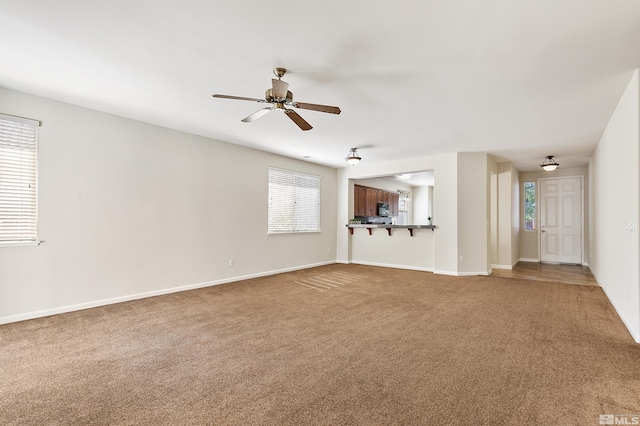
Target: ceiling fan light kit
<point>280,97</point>
<point>549,164</point>
<point>353,158</point>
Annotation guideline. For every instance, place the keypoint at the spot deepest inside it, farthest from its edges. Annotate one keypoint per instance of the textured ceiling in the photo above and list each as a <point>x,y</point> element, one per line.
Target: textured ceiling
<point>518,79</point>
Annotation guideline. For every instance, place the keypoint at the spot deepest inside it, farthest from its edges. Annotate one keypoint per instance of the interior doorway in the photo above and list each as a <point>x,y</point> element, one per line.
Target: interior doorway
<point>561,220</point>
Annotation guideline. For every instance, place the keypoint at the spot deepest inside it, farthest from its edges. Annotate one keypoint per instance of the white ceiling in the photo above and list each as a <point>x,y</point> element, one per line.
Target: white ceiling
<point>518,79</point>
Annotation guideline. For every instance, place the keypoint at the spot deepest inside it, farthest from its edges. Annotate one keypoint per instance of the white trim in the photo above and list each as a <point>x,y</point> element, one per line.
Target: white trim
<point>635,337</point>
<point>463,274</point>
<point>501,266</point>
<point>389,265</point>
<point>110,301</point>
<point>22,120</point>
<point>419,268</point>
<point>528,259</point>
<point>19,243</point>
<point>474,274</point>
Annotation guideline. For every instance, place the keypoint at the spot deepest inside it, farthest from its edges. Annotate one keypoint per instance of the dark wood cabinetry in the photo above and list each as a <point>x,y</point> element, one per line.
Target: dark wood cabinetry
<point>371,206</point>
<point>366,199</point>
<point>359,200</point>
<point>393,203</point>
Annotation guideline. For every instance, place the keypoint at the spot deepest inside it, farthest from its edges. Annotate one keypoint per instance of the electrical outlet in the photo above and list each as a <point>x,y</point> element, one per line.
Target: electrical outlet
<point>461,258</point>
<point>328,250</point>
<point>230,262</point>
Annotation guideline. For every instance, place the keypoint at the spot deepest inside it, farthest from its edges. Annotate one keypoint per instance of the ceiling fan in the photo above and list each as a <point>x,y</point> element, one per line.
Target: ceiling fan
<point>279,96</point>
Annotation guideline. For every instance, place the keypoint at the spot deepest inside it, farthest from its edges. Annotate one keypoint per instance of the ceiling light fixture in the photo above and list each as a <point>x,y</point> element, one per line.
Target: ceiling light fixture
<point>353,158</point>
<point>549,164</point>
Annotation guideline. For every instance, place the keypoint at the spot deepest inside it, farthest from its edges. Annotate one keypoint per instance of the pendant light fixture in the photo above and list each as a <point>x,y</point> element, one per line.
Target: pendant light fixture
<point>353,158</point>
<point>549,164</point>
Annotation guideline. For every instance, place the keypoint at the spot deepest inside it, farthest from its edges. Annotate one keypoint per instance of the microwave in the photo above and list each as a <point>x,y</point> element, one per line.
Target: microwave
<point>383,209</point>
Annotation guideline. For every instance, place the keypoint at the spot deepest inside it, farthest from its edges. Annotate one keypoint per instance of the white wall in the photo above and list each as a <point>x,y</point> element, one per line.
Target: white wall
<point>421,204</point>
<point>474,239</point>
<point>398,250</point>
<point>508,213</point>
<point>445,213</point>
<point>515,215</point>
<point>128,209</point>
<point>493,209</point>
<point>614,177</point>
<point>381,183</point>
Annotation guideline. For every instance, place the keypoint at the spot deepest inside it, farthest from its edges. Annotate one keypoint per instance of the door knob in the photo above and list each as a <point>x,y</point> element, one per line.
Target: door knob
<point>543,230</point>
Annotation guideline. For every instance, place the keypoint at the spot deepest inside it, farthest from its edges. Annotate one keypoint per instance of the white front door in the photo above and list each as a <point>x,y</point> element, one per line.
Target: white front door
<point>561,220</point>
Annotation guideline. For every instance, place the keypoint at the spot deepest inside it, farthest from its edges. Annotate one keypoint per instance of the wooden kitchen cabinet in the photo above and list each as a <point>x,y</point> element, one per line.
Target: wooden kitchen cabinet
<point>372,202</point>
<point>383,197</point>
<point>393,203</point>
<point>366,199</point>
<point>359,200</point>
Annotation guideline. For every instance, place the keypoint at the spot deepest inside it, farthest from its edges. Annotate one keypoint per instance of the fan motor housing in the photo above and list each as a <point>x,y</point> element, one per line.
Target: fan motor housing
<point>268,96</point>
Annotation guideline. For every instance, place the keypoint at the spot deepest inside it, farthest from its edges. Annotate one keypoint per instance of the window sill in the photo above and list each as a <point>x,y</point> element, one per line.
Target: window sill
<point>20,243</point>
<point>293,232</point>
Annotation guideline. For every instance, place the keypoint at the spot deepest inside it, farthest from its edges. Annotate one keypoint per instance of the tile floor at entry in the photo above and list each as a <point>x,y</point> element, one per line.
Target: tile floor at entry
<point>568,274</point>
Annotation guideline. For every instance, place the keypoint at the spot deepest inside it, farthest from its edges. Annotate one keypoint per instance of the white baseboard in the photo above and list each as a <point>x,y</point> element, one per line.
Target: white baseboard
<point>635,336</point>
<point>419,268</point>
<point>593,273</point>
<point>463,274</point>
<point>414,268</point>
<point>111,301</point>
<point>528,259</point>
<point>501,266</point>
<point>389,265</point>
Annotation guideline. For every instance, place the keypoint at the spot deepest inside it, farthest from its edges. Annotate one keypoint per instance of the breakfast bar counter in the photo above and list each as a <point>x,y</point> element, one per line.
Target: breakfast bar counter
<point>388,227</point>
<point>369,244</point>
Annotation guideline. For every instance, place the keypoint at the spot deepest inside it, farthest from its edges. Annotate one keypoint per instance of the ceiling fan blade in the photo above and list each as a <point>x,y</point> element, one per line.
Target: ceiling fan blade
<point>316,107</point>
<point>279,88</point>
<point>257,114</point>
<point>239,98</point>
<point>297,119</point>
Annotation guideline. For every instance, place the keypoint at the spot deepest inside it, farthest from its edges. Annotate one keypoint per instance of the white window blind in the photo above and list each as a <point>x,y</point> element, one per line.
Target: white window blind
<point>18,179</point>
<point>294,202</point>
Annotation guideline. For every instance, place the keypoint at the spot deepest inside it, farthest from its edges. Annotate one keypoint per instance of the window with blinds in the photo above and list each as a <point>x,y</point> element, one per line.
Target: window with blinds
<point>294,202</point>
<point>18,179</point>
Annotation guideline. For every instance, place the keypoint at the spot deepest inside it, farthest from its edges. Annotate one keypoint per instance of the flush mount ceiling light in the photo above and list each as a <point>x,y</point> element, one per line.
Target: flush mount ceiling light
<point>353,158</point>
<point>549,164</point>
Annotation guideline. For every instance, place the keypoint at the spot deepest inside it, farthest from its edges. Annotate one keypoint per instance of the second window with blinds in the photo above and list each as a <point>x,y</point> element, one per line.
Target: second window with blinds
<point>18,180</point>
<point>294,202</point>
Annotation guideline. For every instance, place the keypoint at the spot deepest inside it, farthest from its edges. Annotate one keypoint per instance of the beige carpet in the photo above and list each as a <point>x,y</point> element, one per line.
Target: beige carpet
<point>336,345</point>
